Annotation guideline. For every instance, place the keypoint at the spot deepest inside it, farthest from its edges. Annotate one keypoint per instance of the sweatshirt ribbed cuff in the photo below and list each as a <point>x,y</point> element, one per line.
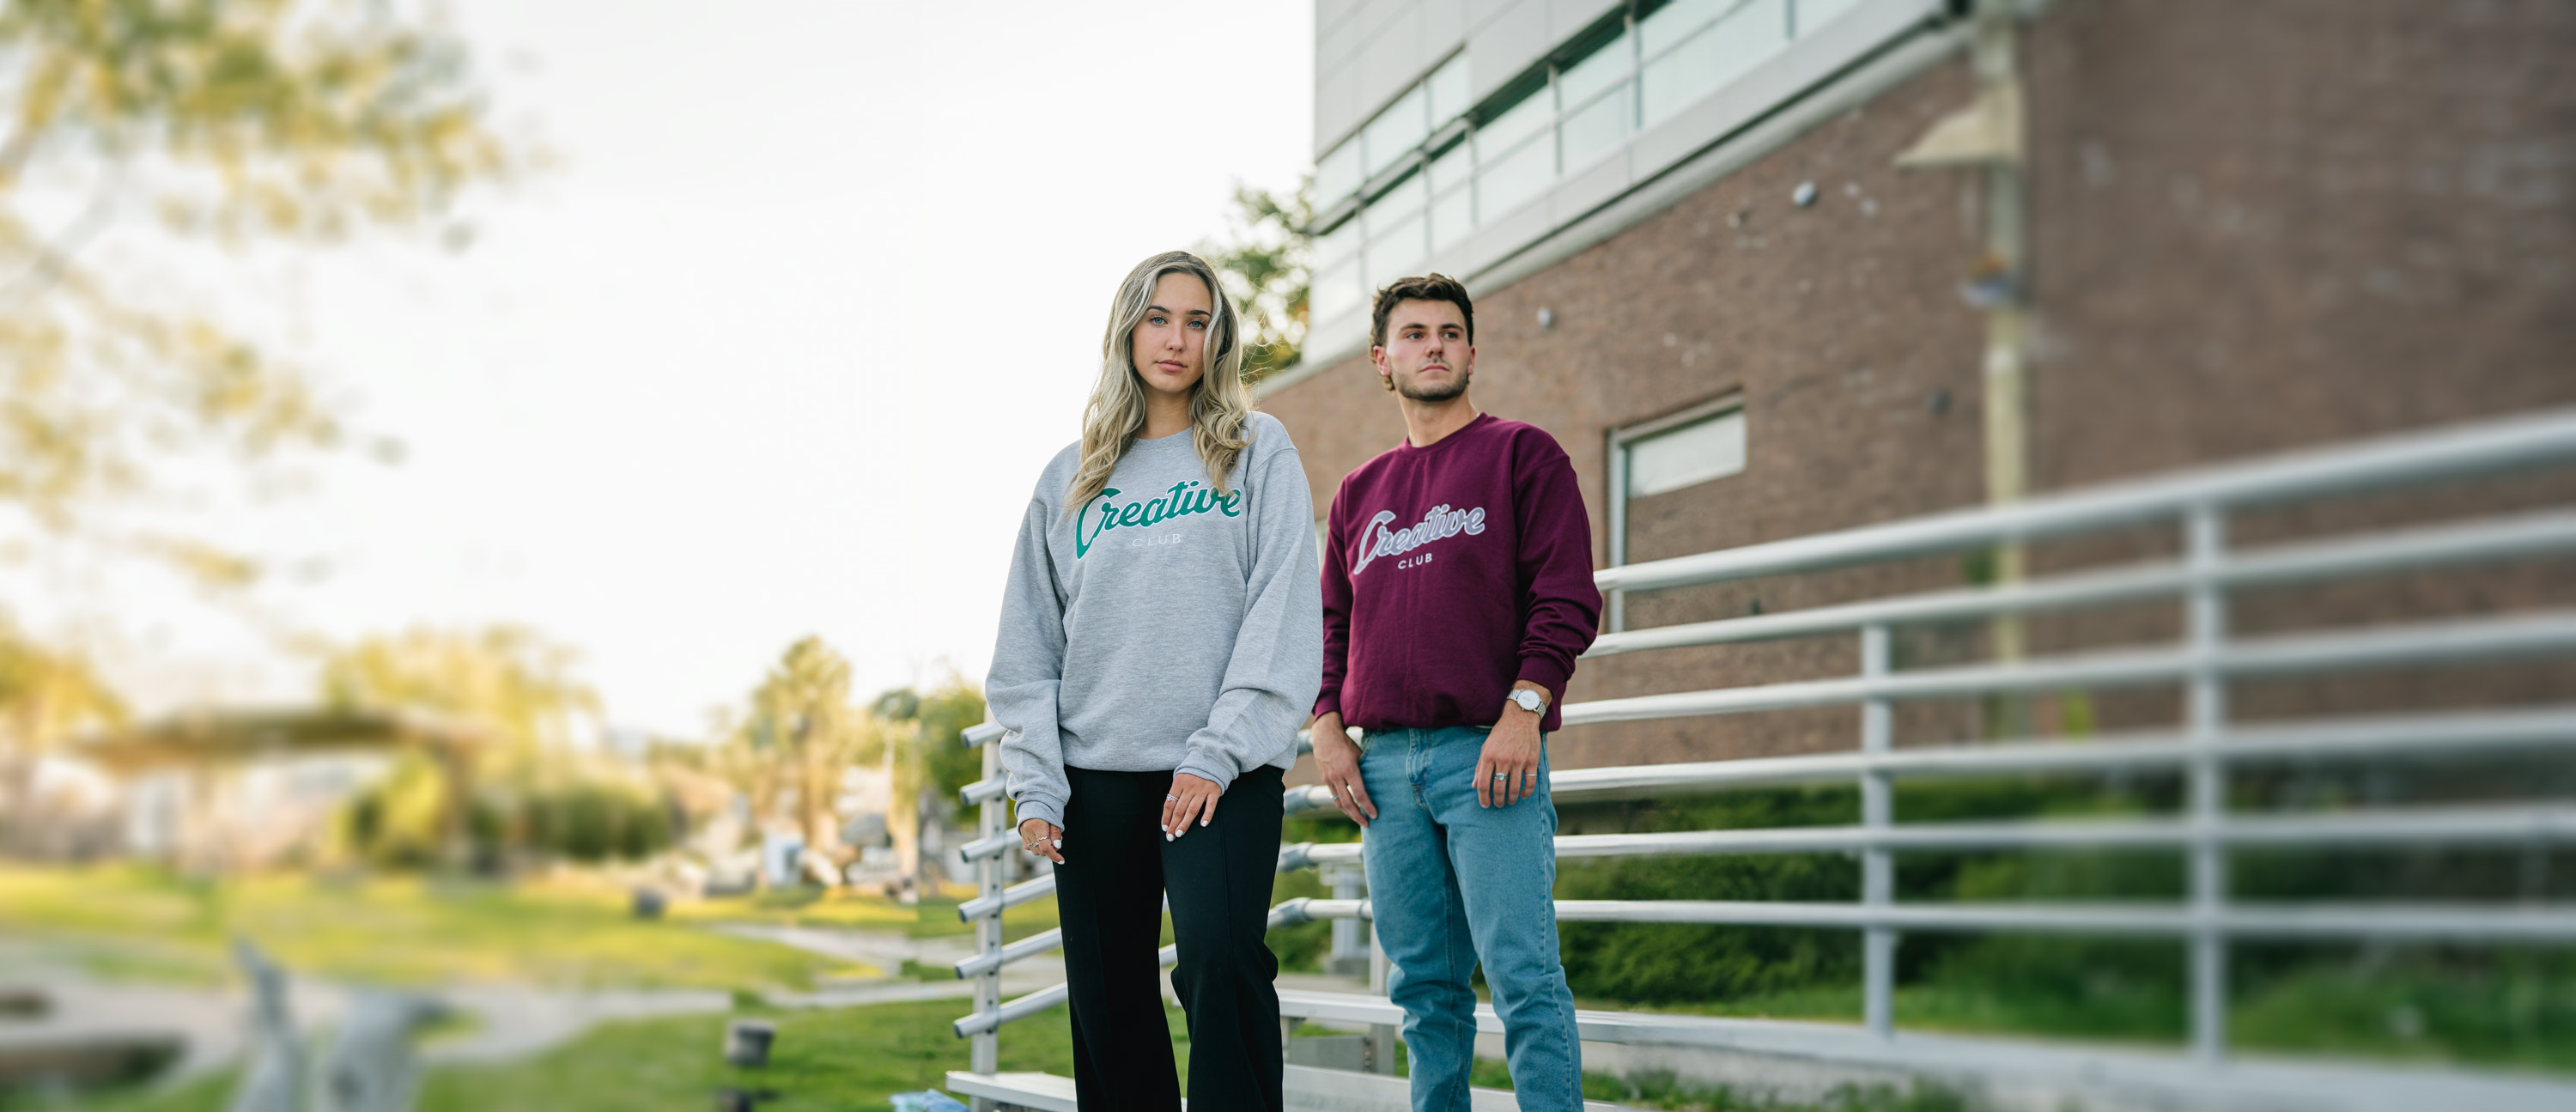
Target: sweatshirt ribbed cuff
<point>1207,772</point>
<point>1547,673</point>
<point>1040,807</point>
<point>1329,702</point>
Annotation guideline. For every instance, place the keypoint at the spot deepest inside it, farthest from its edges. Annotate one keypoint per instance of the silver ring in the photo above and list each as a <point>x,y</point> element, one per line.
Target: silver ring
<point>1502,776</point>
<point>1171,798</point>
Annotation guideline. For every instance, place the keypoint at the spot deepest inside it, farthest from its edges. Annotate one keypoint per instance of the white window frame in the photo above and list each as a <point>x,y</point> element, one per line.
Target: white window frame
<point>1619,441</point>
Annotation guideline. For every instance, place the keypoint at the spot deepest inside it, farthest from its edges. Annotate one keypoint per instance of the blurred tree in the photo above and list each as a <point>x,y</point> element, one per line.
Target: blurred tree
<point>947,763</point>
<point>801,733</point>
<point>509,679</point>
<point>235,122</point>
<point>533,791</point>
<point>45,698</point>
<point>934,763</point>
<point>1263,265</point>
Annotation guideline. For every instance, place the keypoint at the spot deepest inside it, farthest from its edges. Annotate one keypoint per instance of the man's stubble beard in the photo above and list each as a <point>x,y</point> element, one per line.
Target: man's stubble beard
<point>1415,393</point>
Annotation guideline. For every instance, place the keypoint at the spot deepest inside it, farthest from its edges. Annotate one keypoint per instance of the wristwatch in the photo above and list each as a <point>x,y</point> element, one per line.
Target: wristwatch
<point>1528,700</point>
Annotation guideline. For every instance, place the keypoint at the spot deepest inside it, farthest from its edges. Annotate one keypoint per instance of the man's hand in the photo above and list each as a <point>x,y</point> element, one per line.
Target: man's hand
<point>1339,762</point>
<point>1191,797</point>
<point>1507,771</point>
<point>1043,839</point>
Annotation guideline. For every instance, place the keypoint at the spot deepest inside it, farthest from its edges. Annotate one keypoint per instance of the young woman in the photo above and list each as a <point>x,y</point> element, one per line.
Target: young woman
<point>1162,638</point>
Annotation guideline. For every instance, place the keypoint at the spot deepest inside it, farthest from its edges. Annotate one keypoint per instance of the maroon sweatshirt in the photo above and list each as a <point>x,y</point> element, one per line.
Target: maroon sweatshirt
<point>1452,571</point>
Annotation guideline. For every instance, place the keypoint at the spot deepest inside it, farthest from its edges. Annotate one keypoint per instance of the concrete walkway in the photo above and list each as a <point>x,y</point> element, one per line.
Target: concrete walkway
<point>505,1022</point>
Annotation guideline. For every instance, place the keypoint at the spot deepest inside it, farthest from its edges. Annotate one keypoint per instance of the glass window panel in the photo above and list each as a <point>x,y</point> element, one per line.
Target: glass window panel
<point>1395,204</point>
<point>1738,41</point>
<point>1448,87</point>
<point>1339,244</point>
<point>1337,175</point>
<point>1505,183</point>
<point>1529,117</point>
<point>1595,128</point>
<point>1396,252</point>
<point>1452,217</point>
<point>1450,170</point>
<point>1692,454</point>
<point>1816,13</point>
<point>1395,132</point>
<point>1604,67</point>
<point>1336,292</point>
<point>1674,22</point>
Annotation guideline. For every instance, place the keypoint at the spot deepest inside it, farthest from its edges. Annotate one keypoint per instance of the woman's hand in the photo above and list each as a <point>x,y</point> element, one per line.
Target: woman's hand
<point>1043,839</point>
<point>1190,797</point>
<point>1339,762</point>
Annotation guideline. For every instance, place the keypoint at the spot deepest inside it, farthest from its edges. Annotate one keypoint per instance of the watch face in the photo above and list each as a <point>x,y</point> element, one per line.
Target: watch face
<point>1528,700</point>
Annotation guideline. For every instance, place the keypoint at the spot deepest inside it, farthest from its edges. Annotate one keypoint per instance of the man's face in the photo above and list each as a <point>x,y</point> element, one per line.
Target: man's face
<point>1426,356</point>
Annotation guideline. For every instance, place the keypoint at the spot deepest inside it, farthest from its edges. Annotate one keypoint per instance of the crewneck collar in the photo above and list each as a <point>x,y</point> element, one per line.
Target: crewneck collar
<point>1478,422</point>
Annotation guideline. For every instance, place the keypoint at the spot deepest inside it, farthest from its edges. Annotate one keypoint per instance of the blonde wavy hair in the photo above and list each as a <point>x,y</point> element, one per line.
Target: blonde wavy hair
<point>1220,405</point>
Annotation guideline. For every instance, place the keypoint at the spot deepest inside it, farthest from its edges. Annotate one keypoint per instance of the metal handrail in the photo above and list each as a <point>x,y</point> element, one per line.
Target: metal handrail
<point>2511,538</point>
<point>2483,731</point>
<point>2413,644</point>
<point>2408,459</point>
<point>2203,748</point>
<point>2315,921</point>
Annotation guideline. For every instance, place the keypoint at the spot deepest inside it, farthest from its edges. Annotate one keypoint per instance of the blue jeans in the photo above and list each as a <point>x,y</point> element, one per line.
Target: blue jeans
<point>1453,884</point>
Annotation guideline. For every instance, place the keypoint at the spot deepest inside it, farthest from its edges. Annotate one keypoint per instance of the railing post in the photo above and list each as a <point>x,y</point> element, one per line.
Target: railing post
<point>1877,866</point>
<point>2206,629</point>
<point>985,1053</point>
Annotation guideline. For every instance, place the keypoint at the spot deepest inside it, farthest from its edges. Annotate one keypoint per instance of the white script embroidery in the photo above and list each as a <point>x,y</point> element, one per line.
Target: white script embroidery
<point>1377,540</point>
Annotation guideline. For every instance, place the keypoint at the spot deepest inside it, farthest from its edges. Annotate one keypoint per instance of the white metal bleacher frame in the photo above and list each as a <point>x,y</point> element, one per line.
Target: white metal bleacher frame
<point>2203,748</point>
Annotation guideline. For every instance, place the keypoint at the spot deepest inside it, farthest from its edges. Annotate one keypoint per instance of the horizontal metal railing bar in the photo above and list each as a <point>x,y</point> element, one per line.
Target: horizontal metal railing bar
<point>1031,946</point>
<point>2454,452</point>
<point>2244,1083</point>
<point>2412,644</point>
<point>2510,538</point>
<point>2386,826</point>
<point>1011,897</point>
<point>982,790</point>
<point>982,848</point>
<point>1045,998</point>
<point>2415,735</point>
<point>983,733</point>
<point>2463,922</point>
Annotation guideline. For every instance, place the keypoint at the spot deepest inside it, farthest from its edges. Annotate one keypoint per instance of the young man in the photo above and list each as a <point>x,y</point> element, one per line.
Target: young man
<point>1457,593</point>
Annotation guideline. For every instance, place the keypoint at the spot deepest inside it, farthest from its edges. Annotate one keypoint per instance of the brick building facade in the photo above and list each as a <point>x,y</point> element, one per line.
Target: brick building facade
<point>2252,226</point>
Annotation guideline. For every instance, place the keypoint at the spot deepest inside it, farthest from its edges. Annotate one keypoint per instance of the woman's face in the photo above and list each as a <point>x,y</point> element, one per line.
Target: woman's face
<point>1171,342</point>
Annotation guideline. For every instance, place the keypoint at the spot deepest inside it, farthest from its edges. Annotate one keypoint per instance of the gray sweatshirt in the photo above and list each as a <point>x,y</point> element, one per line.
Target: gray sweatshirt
<point>1159,626</point>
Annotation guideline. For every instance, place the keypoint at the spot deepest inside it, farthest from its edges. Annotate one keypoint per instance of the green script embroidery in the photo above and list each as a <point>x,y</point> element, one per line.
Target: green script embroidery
<point>1180,501</point>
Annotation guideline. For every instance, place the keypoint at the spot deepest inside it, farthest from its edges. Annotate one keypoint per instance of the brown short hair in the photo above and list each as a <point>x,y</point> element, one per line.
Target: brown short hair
<point>1428,287</point>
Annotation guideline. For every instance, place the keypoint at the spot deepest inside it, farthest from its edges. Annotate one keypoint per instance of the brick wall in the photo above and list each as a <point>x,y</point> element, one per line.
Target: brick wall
<point>2254,226</point>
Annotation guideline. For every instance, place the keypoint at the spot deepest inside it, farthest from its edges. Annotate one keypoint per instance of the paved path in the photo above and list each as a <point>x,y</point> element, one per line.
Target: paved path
<point>506,1022</point>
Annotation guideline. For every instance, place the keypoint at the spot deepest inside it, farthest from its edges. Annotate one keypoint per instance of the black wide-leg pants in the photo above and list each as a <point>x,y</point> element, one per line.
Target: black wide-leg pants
<point>1110,890</point>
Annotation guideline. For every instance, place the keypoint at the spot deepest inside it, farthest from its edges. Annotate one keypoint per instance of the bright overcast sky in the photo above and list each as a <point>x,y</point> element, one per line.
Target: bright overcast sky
<point>777,349</point>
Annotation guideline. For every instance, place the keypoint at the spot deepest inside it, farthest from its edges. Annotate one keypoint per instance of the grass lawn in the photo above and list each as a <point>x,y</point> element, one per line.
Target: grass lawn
<point>931,918</point>
<point>851,1058</point>
<point>144,924</point>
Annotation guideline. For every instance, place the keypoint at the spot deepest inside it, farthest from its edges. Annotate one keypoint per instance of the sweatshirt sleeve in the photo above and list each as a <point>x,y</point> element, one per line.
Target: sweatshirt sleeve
<point>1337,615</point>
<point>1556,562</point>
<point>1278,651</point>
<point>1028,668</point>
